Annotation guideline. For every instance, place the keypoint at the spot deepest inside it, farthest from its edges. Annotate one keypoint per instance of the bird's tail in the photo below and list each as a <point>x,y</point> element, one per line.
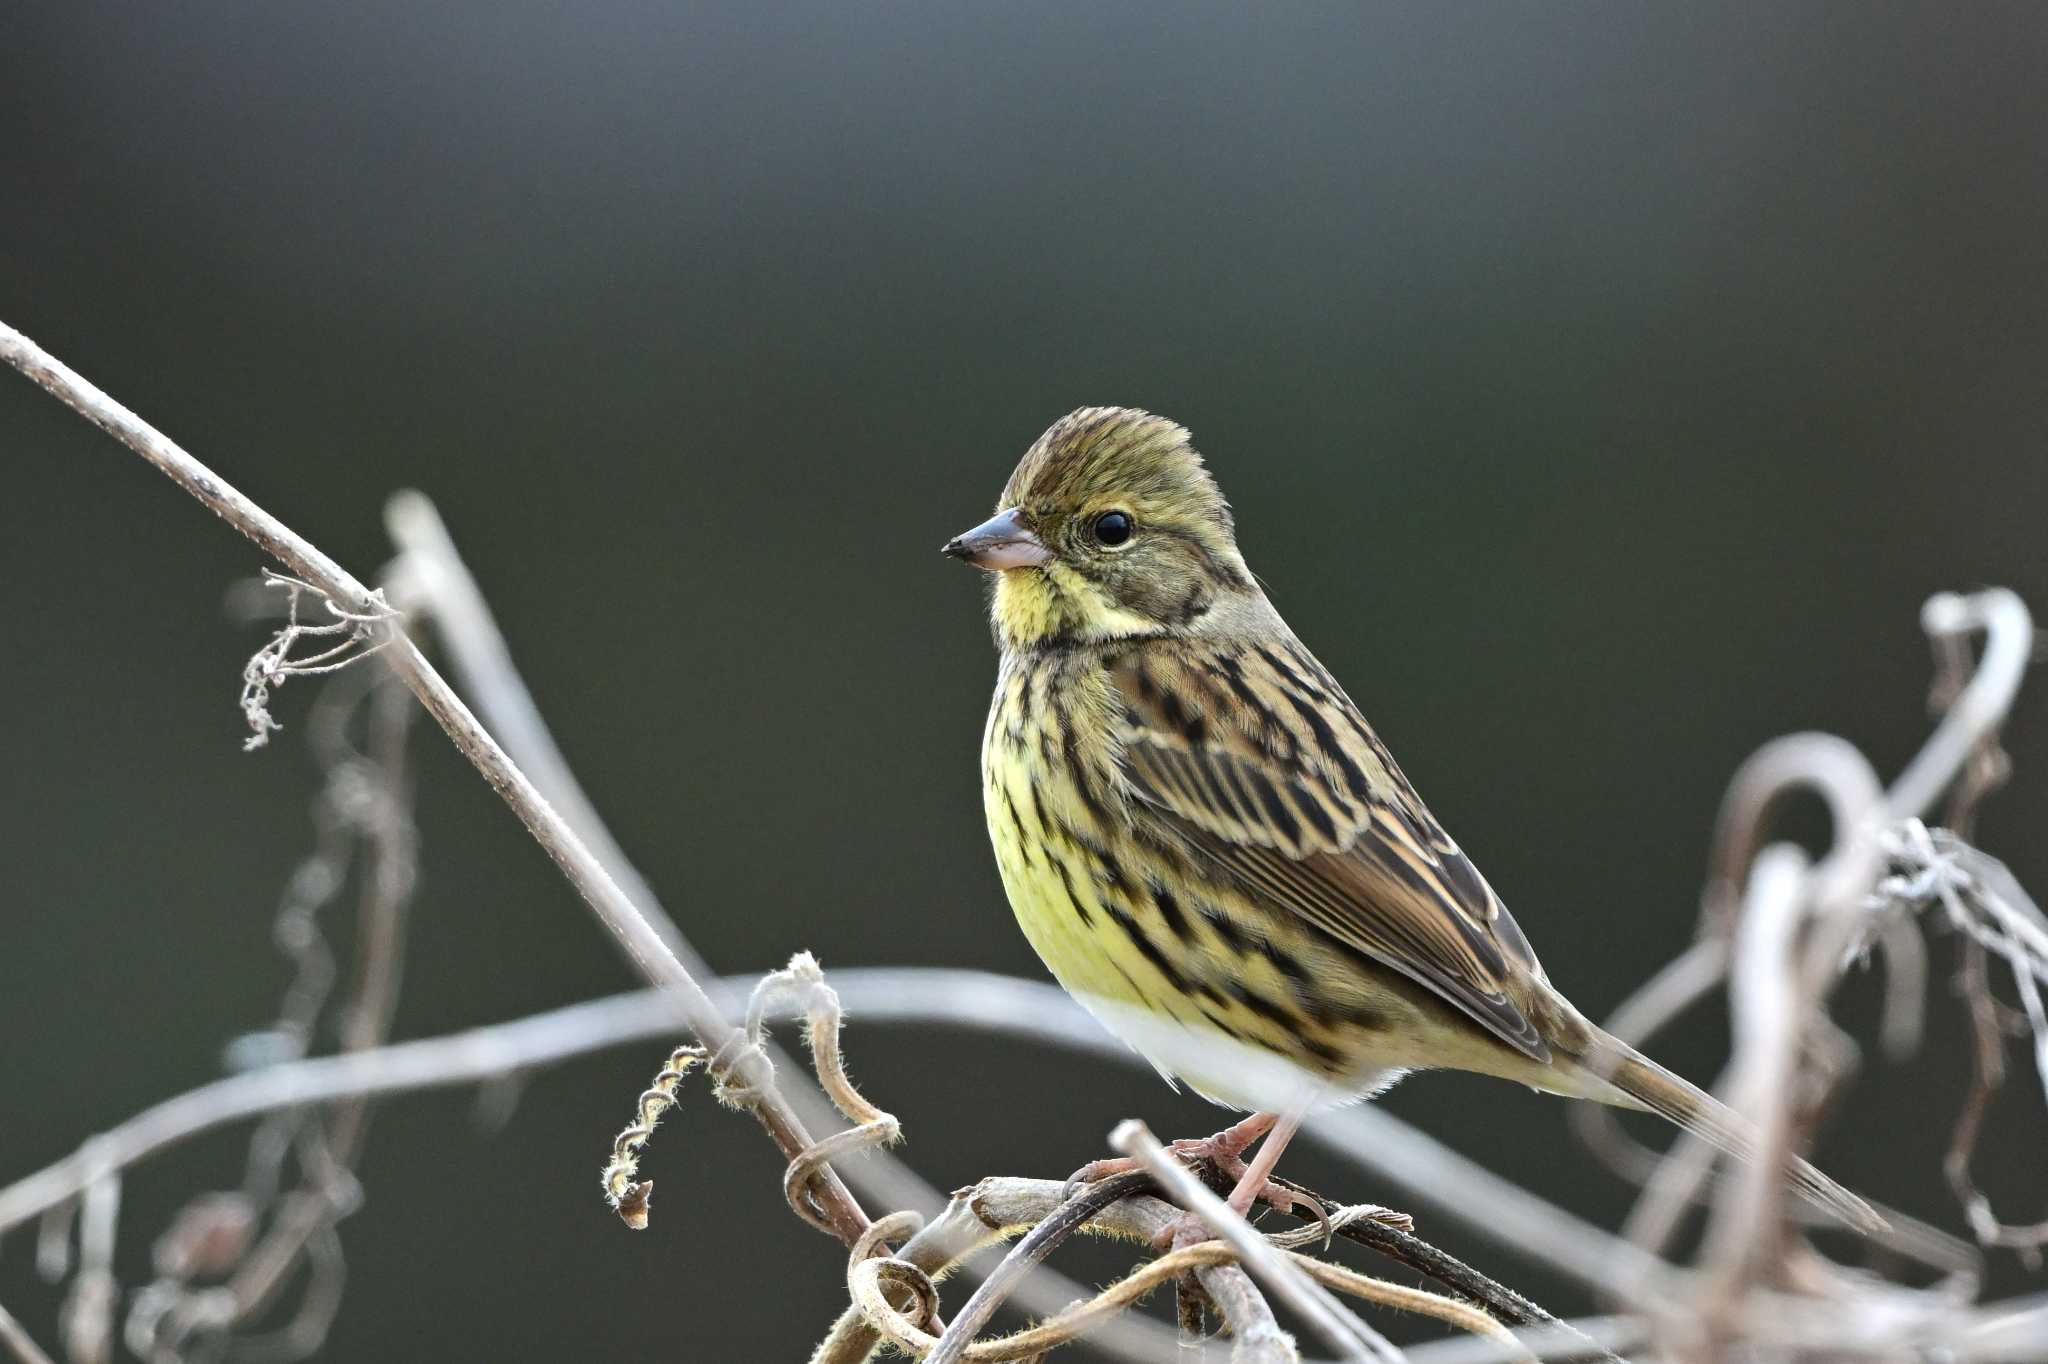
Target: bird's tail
<point>1642,1083</point>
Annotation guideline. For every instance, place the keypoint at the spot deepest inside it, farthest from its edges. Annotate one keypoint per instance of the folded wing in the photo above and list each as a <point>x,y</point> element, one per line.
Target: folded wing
<point>1254,760</point>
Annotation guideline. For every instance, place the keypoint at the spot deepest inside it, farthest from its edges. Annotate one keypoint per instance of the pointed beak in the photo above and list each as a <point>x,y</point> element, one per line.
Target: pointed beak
<point>1003,541</point>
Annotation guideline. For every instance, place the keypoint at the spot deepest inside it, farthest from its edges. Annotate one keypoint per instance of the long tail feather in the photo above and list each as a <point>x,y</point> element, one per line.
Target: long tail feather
<point>1645,1084</point>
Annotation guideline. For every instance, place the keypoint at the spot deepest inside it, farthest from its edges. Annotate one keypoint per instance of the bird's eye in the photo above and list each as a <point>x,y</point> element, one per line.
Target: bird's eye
<point>1112,528</point>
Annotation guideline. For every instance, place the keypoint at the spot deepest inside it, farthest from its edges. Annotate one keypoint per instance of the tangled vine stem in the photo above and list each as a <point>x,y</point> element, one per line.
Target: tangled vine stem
<point>1002,1207</point>
<point>1994,917</point>
<point>1031,1249</point>
<point>800,985</point>
<point>1393,1235</point>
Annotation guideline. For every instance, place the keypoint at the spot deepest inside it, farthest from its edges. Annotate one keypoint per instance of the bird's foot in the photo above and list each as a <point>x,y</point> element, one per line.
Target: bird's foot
<point>1225,1150</point>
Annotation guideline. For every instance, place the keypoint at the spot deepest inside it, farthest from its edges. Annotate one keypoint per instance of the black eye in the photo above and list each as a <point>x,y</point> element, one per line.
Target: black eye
<point>1112,528</point>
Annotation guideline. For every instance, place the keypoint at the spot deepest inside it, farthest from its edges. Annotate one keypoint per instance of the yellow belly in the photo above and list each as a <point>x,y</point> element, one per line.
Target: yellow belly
<point>1078,889</point>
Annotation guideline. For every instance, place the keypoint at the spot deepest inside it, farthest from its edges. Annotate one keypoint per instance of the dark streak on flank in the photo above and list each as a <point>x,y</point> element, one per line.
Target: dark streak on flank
<point>1082,778</point>
<point>1226,927</point>
<point>1290,968</point>
<point>1144,1000</point>
<point>1016,822</point>
<point>1087,916</point>
<point>1264,1007</point>
<point>1332,1059</point>
<point>1150,951</point>
<point>1170,912</point>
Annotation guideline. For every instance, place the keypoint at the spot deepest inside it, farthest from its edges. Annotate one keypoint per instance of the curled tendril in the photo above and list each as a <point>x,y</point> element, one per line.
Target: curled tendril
<point>802,984</point>
<point>627,1196</point>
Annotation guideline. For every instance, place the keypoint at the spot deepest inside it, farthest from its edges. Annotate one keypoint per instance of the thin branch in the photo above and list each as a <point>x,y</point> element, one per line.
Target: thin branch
<point>1005,1206</point>
<point>480,1055</point>
<point>469,1057</point>
<point>635,933</point>
<point>1959,753</point>
<point>870,1280</point>
<point>19,1342</point>
<point>885,996</point>
<point>1402,1246</point>
<point>431,569</point>
<point>896,995</point>
<point>1577,1339</point>
<point>1745,1233</point>
<point>1042,1012</point>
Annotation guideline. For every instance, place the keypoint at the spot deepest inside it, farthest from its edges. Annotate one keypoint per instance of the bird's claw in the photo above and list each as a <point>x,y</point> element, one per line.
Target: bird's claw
<point>1223,1150</point>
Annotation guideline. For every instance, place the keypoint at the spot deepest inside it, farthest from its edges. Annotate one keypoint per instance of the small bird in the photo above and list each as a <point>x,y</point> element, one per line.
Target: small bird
<point>1211,849</point>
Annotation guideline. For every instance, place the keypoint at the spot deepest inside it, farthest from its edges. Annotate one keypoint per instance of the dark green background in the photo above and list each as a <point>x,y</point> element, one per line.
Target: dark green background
<point>1601,389</point>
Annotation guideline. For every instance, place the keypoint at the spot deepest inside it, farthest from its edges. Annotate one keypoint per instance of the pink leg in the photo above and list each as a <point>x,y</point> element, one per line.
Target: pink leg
<point>1235,1139</point>
<point>1225,1148</point>
<point>1252,1183</point>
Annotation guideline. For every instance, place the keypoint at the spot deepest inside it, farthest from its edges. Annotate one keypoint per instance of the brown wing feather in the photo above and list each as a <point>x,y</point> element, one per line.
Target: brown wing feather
<point>1254,759</point>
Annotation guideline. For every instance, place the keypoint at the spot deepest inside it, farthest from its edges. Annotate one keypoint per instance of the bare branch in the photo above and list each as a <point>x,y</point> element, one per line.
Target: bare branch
<point>1030,1250</point>
<point>635,933</point>
<point>430,573</point>
<point>18,1341</point>
<point>1392,1235</point>
<point>995,1208</point>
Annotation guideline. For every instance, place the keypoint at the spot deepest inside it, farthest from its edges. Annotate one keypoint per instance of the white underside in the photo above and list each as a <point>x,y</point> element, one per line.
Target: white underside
<point>1229,1072</point>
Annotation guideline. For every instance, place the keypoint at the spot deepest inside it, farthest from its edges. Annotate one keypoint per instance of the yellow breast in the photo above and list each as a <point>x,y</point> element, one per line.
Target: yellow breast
<point>1041,827</point>
<point>1200,986</point>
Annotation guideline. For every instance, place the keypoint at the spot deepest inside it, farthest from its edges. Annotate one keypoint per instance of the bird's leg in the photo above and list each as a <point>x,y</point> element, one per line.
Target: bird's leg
<point>1252,1184</point>
<point>1225,1150</point>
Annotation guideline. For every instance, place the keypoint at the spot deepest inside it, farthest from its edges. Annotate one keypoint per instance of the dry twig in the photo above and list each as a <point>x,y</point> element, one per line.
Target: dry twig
<point>633,930</point>
<point>18,1342</point>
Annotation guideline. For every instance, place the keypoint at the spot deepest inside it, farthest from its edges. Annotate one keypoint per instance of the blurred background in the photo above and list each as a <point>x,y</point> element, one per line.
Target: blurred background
<point>1601,390</point>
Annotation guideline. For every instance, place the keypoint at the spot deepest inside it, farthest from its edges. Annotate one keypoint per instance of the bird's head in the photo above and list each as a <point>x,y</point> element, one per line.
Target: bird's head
<point>1110,528</point>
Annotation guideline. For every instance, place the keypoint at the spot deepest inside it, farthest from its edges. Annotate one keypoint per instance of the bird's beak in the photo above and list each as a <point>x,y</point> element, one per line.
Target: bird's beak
<point>1002,541</point>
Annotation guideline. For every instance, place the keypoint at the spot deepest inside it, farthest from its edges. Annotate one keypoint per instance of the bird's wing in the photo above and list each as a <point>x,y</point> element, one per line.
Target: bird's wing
<point>1252,758</point>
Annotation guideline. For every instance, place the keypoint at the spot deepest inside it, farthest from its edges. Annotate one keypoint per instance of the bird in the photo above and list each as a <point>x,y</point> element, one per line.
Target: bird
<point>1212,850</point>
